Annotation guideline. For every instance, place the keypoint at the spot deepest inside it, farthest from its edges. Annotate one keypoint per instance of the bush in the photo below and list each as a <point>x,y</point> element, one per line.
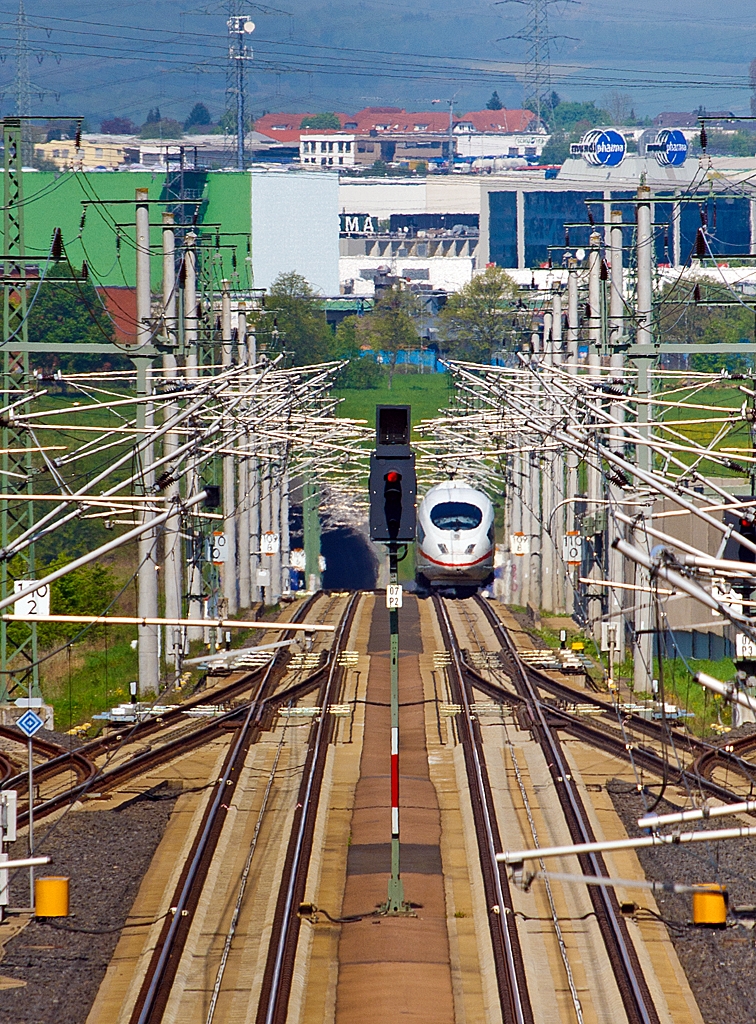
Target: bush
<point>361,373</point>
<point>85,591</point>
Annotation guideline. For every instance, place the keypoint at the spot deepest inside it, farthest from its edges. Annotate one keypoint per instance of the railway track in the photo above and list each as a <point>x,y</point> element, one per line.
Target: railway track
<point>161,972</point>
<point>619,738</point>
<point>101,779</point>
<point>277,979</point>
<point>508,957</point>
<point>636,997</point>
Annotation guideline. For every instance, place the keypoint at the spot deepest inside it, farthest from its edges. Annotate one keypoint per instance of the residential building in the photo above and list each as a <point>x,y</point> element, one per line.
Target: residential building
<point>396,136</point>
<point>327,149</point>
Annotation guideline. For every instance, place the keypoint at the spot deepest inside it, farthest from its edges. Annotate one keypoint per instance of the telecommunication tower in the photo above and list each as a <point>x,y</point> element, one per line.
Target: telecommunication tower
<point>239,27</point>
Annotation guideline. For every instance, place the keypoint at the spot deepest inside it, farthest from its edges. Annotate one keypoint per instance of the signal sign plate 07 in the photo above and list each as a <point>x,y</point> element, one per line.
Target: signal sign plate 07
<point>394,595</point>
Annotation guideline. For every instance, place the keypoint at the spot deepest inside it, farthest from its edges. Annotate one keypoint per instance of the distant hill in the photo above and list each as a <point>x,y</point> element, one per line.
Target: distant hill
<point>105,58</point>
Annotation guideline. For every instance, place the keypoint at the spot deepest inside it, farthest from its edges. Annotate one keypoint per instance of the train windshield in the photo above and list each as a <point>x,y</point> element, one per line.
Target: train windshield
<point>455,515</point>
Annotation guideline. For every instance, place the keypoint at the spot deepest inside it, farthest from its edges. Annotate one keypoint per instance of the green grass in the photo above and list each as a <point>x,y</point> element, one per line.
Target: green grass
<point>426,393</point>
<point>98,678</point>
<point>681,690</point>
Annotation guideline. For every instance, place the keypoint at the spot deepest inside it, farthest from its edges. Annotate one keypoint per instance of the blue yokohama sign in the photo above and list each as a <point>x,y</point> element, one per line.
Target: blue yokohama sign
<point>601,147</point>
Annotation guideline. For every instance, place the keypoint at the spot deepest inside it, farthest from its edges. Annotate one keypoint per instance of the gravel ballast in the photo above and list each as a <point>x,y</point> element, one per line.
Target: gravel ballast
<point>105,854</point>
<point>720,964</point>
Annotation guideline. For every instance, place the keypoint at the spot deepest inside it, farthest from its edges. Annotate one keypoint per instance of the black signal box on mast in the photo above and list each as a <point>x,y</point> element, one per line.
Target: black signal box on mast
<point>393,485</point>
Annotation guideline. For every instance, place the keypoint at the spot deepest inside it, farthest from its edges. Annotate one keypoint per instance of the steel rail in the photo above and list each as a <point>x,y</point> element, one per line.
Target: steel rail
<point>276,984</point>
<point>508,957</point>
<point>59,759</point>
<point>151,757</point>
<point>157,984</point>
<point>614,743</point>
<point>633,989</point>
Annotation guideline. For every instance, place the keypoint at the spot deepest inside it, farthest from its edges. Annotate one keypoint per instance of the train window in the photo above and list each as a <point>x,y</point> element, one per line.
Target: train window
<point>455,515</point>
<point>420,533</point>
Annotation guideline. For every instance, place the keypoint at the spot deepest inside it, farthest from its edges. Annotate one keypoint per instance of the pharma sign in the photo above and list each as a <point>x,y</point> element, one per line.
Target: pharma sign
<point>670,147</point>
<point>601,147</point>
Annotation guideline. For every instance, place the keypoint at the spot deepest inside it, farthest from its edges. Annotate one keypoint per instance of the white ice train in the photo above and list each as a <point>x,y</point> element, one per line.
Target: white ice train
<point>455,537</point>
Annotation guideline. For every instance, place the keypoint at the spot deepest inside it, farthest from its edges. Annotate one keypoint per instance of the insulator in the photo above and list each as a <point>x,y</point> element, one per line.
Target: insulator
<point>704,215</point>
<point>704,137</point>
<point>182,274</point>
<point>697,294</point>
<point>591,219</point>
<point>233,259</point>
<point>118,242</point>
<point>701,247</point>
<point>604,271</point>
<point>567,237</point>
<point>217,239</point>
<point>550,263</point>
<point>85,271</point>
<point>56,250</point>
<point>588,311</point>
<point>77,141</point>
<point>714,215</point>
<point>83,220</point>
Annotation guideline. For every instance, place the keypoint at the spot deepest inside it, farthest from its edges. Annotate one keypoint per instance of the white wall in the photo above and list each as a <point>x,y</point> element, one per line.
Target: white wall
<point>295,226</point>
<point>380,197</point>
<point>447,272</point>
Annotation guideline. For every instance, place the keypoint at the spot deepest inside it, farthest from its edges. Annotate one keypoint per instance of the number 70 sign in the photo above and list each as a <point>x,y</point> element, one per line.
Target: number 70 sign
<point>33,605</point>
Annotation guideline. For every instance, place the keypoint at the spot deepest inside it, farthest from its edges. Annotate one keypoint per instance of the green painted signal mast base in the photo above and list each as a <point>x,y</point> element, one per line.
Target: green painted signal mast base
<point>395,905</point>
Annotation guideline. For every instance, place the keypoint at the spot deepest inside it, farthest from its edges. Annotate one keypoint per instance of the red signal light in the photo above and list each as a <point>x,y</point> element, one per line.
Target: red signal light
<point>393,477</point>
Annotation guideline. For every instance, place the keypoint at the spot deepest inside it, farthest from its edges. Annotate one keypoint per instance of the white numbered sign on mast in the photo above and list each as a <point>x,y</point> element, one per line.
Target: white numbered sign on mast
<point>572,548</point>
<point>270,543</point>
<point>394,595</point>
<point>745,648</point>
<point>519,544</point>
<point>219,549</point>
<point>33,605</point>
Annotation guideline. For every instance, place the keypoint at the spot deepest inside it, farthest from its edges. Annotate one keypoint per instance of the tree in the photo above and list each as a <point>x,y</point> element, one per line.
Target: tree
<point>704,325</point>
<point>719,143</point>
<point>118,126</point>
<point>557,149</point>
<point>619,106</point>
<point>323,122</point>
<point>84,591</point>
<point>494,103</point>
<point>390,328</point>
<point>476,321</point>
<point>227,123</point>
<point>166,128</point>
<point>571,116</point>
<point>199,117</point>
<point>294,320</point>
<point>65,312</point>
<point>362,372</point>
<point>154,116</point>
